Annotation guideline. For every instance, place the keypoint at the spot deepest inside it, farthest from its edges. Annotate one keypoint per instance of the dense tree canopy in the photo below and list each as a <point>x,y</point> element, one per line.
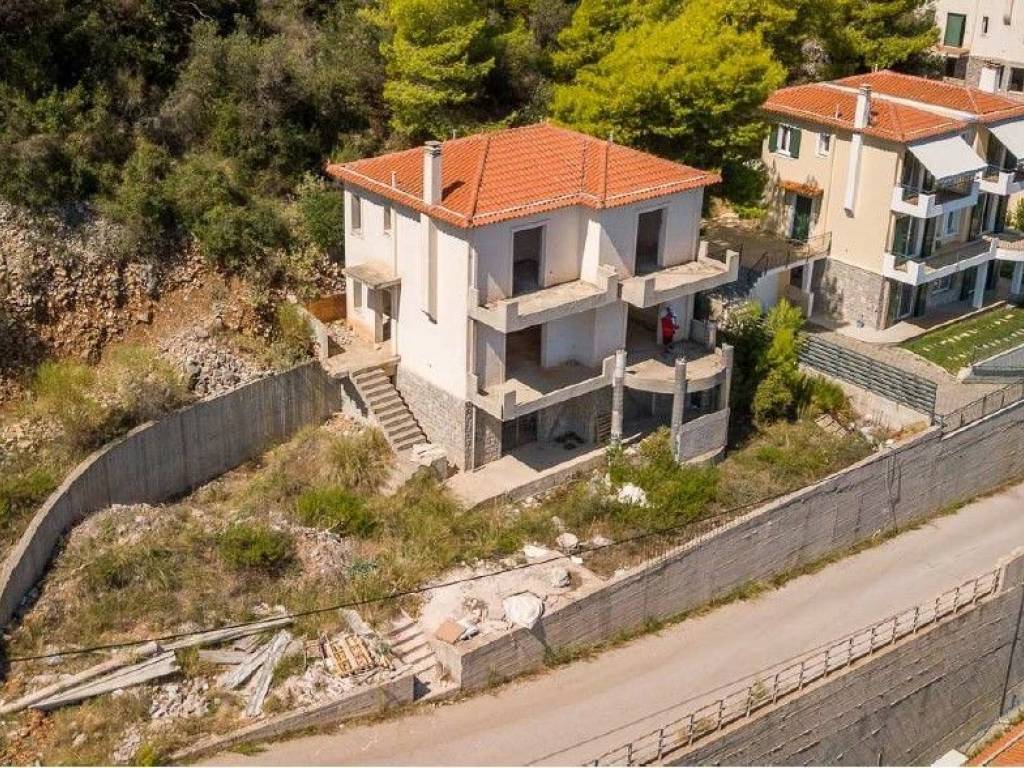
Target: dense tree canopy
<point>207,117</point>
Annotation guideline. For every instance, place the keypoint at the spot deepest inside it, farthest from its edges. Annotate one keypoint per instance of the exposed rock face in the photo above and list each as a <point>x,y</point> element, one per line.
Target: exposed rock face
<point>68,284</point>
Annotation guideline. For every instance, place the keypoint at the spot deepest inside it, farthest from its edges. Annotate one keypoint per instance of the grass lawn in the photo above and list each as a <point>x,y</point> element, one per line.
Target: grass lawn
<point>976,338</point>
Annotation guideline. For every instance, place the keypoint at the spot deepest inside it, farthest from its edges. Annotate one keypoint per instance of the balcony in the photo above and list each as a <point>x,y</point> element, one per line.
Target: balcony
<point>530,387</point>
<point>547,304</point>
<point>650,368</point>
<point>1000,181</point>
<point>1009,245</point>
<point>701,274</point>
<point>948,260</point>
<point>926,204</point>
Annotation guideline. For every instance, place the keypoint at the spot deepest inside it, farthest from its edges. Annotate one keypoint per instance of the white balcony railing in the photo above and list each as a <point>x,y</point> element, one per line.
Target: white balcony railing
<point>997,181</point>
<point>945,261</point>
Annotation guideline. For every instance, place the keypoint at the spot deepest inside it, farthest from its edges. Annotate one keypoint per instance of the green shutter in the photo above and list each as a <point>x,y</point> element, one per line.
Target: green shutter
<point>794,143</point>
<point>955,25</point>
<point>773,138</point>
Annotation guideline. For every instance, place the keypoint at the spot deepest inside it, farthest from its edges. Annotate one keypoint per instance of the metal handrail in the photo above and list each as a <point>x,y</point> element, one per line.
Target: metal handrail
<point>797,250</point>
<point>770,685</point>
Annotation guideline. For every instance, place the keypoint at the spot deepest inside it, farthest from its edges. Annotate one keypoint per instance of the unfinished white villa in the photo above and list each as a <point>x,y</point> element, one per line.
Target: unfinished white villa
<point>503,276</point>
<point>907,180</point>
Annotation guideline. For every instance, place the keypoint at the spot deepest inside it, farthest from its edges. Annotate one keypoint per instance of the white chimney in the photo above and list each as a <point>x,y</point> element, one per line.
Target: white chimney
<point>861,119</point>
<point>988,80</point>
<point>863,113</point>
<point>432,172</point>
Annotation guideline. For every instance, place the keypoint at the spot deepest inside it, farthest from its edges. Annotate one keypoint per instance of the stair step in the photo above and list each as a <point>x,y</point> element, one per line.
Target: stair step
<point>377,388</point>
<point>396,420</point>
<point>403,428</point>
<point>386,405</point>
<point>368,378</point>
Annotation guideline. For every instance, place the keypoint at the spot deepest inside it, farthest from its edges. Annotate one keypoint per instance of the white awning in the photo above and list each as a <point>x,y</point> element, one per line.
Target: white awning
<point>945,158</point>
<point>1011,135</point>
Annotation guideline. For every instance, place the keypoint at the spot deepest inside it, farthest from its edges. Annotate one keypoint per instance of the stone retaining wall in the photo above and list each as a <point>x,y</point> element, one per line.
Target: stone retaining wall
<point>907,705</point>
<point>888,490</point>
<point>168,458</point>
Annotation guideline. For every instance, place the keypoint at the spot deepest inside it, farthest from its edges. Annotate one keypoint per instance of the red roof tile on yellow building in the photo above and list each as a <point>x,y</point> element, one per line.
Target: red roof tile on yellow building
<point>826,104</point>
<point>988,107</point>
<point>508,174</point>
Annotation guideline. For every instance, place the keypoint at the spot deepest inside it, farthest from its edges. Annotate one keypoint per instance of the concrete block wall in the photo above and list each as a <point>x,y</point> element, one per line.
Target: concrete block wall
<point>167,458</point>
<point>846,293</point>
<point>704,435</point>
<point>907,705</point>
<point>887,490</point>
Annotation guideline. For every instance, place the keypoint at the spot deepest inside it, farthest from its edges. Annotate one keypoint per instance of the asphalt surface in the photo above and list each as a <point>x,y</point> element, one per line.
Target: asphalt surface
<point>576,712</point>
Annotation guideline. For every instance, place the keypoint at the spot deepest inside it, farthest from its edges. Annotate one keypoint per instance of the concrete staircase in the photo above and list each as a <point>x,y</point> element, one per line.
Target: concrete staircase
<point>388,409</point>
<point>409,644</point>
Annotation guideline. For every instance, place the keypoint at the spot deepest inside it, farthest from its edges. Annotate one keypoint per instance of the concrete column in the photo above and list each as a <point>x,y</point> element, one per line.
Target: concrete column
<point>678,404</point>
<point>979,285</point>
<point>728,355</point>
<point>618,379</point>
<point>1018,278</point>
<point>712,335</point>
<point>805,286</point>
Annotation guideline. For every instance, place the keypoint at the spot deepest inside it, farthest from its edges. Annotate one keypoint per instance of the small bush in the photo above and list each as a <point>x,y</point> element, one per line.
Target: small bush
<point>22,491</point>
<point>292,340</point>
<point>256,548</point>
<point>335,509</point>
<point>64,392</point>
<point>121,568</point>
<point>828,397</point>
<point>773,399</point>
<point>359,462</point>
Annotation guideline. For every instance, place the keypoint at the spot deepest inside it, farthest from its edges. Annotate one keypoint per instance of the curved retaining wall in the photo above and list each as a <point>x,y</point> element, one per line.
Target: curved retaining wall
<point>167,458</point>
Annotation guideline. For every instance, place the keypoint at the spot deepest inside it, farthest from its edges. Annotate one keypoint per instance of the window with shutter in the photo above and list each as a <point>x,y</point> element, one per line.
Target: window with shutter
<point>773,138</point>
<point>794,143</point>
<point>956,23</point>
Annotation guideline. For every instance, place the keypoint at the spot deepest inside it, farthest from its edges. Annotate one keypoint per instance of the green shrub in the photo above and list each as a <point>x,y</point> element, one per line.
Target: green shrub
<point>256,548</point>
<point>773,399</point>
<point>828,397</point>
<point>335,509</point>
<point>139,565</point>
<point>64,391</point>
<point>21,491</point>
<point>292,340</point>
<point>323,214</point>
<point>359,462</point>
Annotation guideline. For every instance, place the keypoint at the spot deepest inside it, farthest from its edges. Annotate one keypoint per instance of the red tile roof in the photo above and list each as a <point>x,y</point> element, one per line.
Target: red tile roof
<point>1006,750</point>
<point>988,107</point>
<point>825,103</point>
<point>492,177</point>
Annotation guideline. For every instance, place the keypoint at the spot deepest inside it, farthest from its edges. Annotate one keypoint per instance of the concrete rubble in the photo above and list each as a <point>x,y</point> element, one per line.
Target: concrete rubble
<point>524,609</point>
<point>210,365</point>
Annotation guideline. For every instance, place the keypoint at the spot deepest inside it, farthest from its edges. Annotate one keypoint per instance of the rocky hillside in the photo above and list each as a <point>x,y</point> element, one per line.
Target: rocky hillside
<point>68,286</point>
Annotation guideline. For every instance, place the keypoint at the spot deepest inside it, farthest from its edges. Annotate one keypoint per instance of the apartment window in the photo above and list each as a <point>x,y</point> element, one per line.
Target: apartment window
<point>357,294</point>
<point>785,140</point>
<point>355,214</point>
<point>943,284</point>
<point>648,241</point>
<point>387,219</point>
<point>824,143</point>
<point>527,249</point>
<point>956,24</point>
<point>984,25</point>
<point>1016,80</point>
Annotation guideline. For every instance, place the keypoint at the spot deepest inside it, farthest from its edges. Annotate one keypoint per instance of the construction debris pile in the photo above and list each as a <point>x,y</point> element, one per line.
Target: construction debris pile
<point>192,675</point>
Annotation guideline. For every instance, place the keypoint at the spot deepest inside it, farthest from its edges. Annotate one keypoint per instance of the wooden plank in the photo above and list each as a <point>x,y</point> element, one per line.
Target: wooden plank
<point>224,656</point>
<point>224,635</point>
<point>262,681</point>
<point>153,669</point>
<point>235,677</point>
<point>110,665</point>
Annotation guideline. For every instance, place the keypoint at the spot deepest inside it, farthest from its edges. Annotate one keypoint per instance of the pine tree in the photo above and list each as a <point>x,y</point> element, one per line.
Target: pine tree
<point>436,63</point>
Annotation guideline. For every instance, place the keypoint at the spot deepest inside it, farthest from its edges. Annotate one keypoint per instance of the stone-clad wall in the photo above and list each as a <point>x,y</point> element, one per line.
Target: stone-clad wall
<point>167,458</point>
<point>887,490</point>
<point>907,705</point>
<point>446,420</point>
<point>849,294</point>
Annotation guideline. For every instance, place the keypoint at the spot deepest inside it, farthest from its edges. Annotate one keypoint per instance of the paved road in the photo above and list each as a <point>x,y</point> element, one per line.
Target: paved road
<point>576,712</point>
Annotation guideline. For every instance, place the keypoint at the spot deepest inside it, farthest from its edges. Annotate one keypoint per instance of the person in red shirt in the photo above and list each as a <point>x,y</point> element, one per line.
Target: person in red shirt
<point>669,326</point>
